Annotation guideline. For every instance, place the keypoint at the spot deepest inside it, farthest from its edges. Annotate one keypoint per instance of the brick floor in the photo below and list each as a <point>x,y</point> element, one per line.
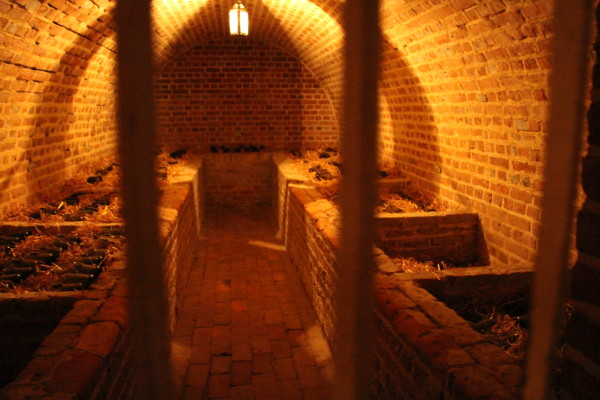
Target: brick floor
<point>246,329</point>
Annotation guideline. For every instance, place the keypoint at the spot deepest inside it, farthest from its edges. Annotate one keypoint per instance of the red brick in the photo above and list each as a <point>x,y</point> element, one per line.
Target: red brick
<point>114,309</point>
<point>413,323</point>
<point>197,375</point>
<point>242,116</point>
<point>218,386</point>
<point>242,393</point>
<point>99,338</point>
<point>220,365</point>
<point>265,386</point>
<point>241,373</point>
<point>61,338</point>
<point>76,373</point>
<point>262,363</point>
<point>281,348</point>
<point>285,369</point>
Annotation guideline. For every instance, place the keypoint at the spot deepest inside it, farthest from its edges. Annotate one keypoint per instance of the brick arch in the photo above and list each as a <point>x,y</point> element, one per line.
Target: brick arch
<point>464,89</point>
<point>49,54</point>
<point>482,68</point>
<point>309,28</point>
<point>48,40</point>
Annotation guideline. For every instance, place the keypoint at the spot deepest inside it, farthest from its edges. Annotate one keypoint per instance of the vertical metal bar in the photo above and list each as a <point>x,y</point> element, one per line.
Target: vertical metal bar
<point>148,307</point>
<point>570,47</point>
<point>354,296</point>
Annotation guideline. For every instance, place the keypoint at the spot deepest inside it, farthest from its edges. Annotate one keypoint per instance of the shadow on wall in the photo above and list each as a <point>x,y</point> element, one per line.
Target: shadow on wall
<point>55,142</point>
<point>233,91</point>
<point>220,110</point>
<point>408,134</point>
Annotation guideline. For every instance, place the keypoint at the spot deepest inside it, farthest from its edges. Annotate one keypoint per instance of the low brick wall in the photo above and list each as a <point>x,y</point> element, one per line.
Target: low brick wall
<point>180,217</point>
<point>283,173</point>
<point>423,349</point>
<point>417,358</point>
<point>87,356</point>
<point>312,245</point>
<point>72,360</point>
<point>238,180</point>
<point>433,236</point>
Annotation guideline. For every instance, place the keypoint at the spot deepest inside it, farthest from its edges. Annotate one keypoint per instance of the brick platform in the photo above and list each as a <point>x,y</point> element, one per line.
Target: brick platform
<point>243,326</point>
<point>423,349</point>
<point>88,354</point>
<point>246,329</point>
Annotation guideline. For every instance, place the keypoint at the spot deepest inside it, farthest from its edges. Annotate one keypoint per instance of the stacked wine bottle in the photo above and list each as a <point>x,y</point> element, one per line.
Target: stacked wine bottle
<point>87,259</point>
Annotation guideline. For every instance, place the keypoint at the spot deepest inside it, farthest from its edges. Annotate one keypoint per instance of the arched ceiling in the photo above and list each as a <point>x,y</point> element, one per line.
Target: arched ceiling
<point>309,28</point>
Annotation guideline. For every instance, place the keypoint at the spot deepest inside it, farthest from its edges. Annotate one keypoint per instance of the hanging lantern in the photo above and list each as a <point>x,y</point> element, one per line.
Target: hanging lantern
<point>238,20</point>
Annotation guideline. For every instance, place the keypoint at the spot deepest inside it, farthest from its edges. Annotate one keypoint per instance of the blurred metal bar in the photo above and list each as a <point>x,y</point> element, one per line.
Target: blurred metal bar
<point>354,293</point>
<point>148,307</point>
<point>570,49</point>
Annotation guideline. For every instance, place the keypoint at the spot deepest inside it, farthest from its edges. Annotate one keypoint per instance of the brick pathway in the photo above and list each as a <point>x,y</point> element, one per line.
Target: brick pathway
<point>247,330</point>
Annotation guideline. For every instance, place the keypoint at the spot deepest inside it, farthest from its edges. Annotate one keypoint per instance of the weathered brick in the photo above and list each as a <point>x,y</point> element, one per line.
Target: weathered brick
<point>275,84</point>
<point>76,373</point>
<point>114,309</point>
<point>474,382</point>
<point>197,375</point>
<point>488,354</point>
<point>413,323</point>
<point>99,338</point>
<point>430,94</point>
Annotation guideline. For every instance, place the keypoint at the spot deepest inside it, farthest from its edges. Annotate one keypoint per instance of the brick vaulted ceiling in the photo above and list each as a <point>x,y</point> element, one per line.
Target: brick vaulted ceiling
<point>419,35</point>
<point>308,28</point>
<point>463,91</point>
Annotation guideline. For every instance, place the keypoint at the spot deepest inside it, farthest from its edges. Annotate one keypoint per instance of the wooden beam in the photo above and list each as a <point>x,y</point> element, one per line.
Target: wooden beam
<point>354,294</point>
<point>570,49</point>
<point>148,306</point>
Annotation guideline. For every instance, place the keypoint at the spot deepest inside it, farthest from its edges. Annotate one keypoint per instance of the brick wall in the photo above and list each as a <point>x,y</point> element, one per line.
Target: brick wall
<point>239,180</point>
<point>465,90</point>
<point>238,91</point>
<point>423,349</point>
<point>464,93</point>
<point>309,29</point>
<point>435,236</point>
<point>88,355</point>
<point>580,376</point>
<point>180,216</point>
<point>464,96</point>
<point>470,118</point>
<point>284,173</point>
<point>312,243</point>
<point>56,92</point>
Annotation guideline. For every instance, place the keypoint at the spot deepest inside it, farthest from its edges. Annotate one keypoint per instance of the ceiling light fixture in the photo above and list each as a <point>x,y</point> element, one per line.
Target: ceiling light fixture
<point>238,20</point>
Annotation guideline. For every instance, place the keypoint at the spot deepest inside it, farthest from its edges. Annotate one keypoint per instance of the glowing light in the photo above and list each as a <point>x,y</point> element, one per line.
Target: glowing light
<point>238,20</point>
<point>267,245</point>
